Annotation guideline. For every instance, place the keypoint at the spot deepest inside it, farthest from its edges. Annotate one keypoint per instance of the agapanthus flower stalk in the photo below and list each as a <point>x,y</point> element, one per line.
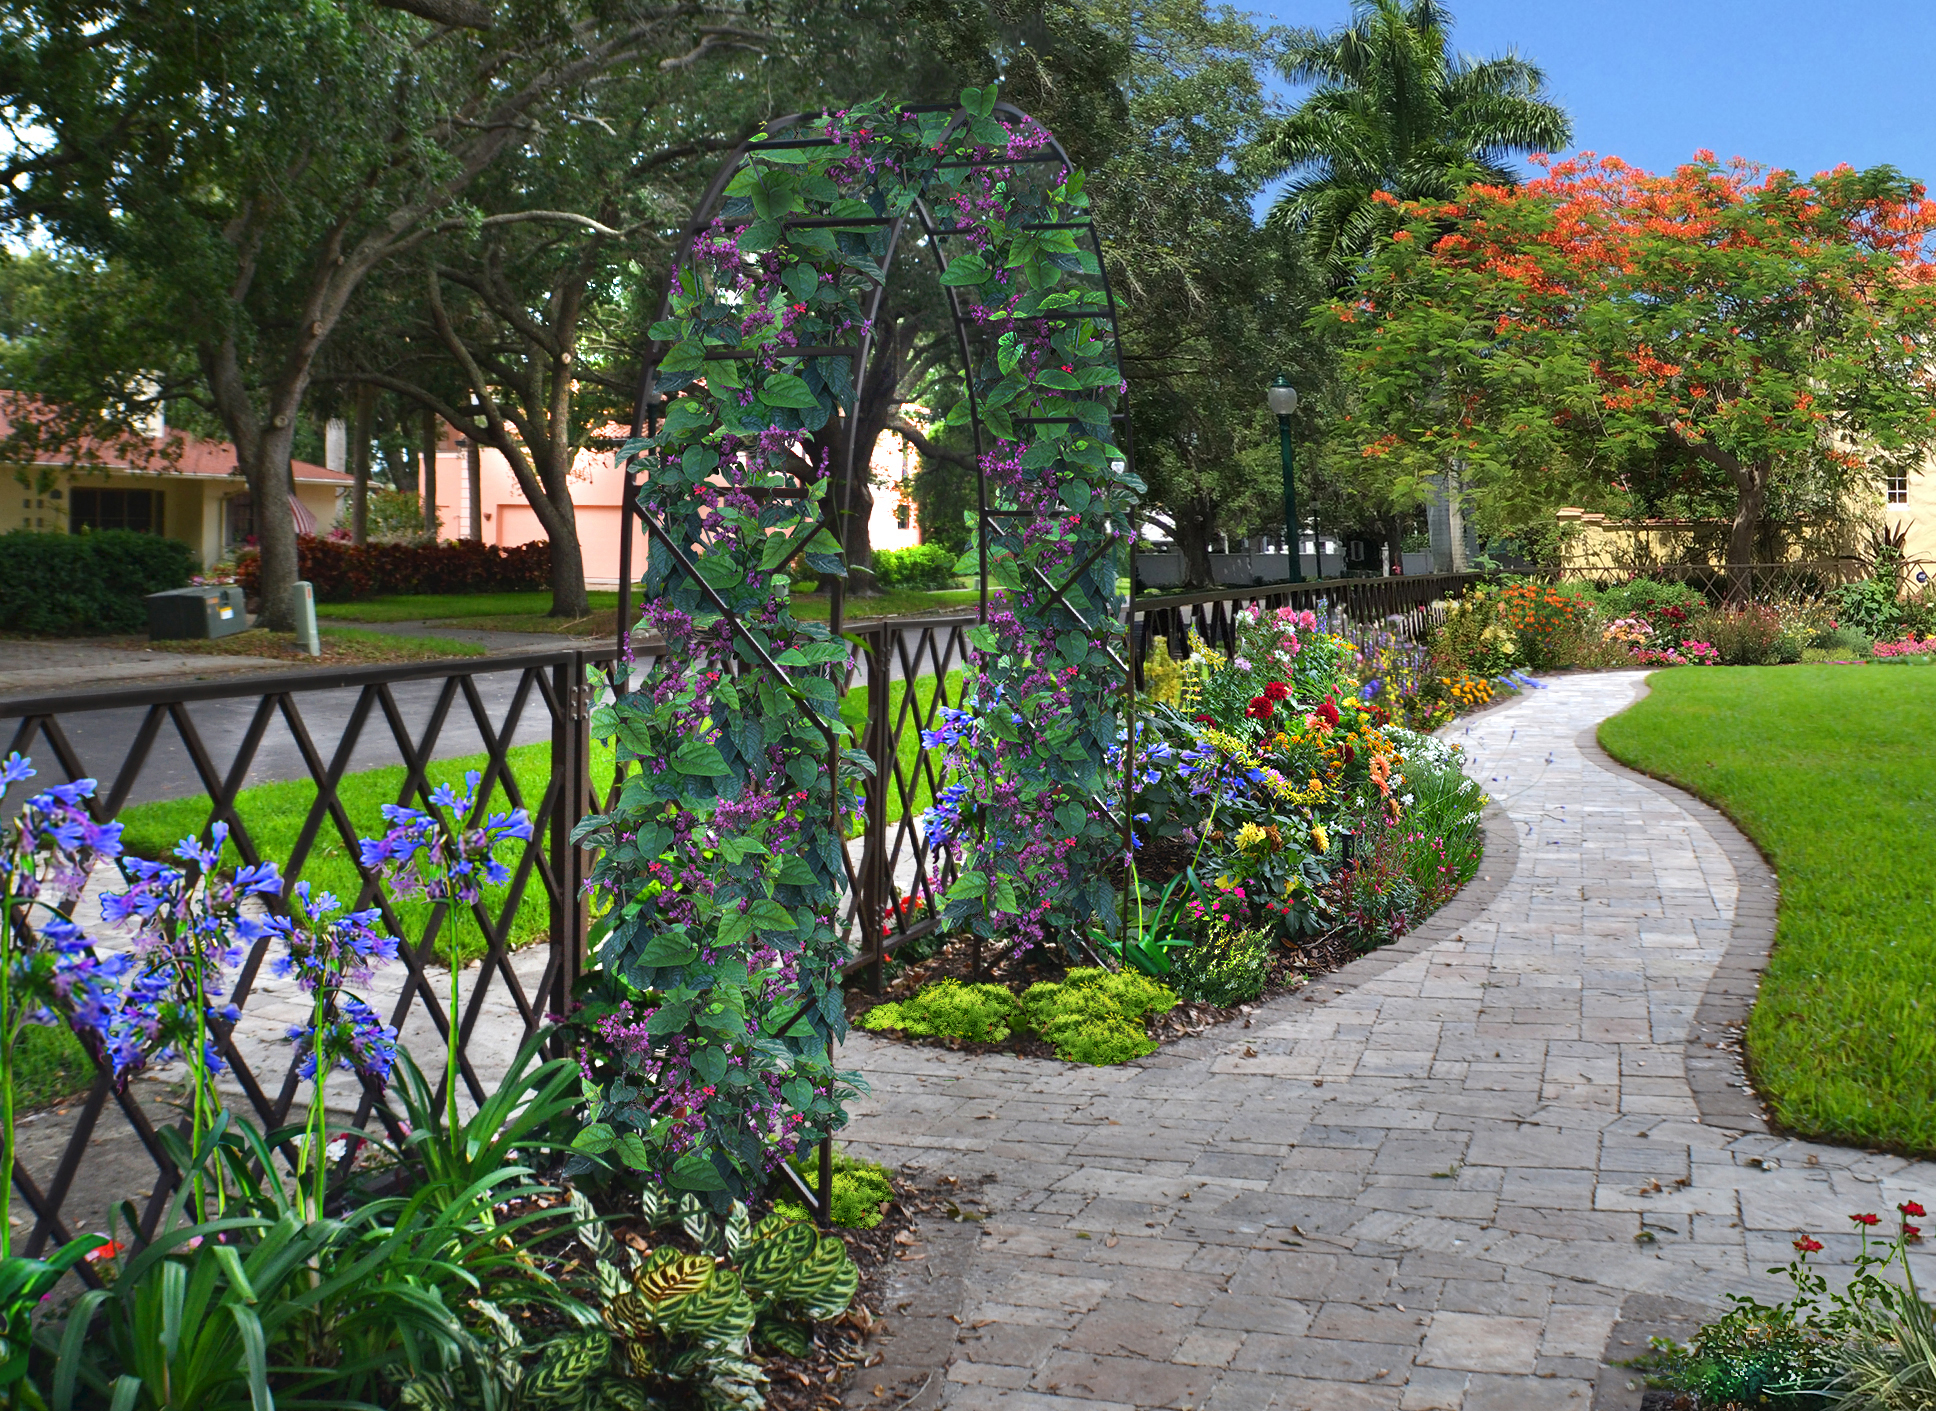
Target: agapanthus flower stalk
<point>325,948</point>
<point>192,924</point>
<point>444,854</point>
<point>49,973</point>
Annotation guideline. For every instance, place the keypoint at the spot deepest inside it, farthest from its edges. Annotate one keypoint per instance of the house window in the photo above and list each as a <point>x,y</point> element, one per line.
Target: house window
<point>1896,488</point>
<point>139,510</point>
<point>238,522</point>
<point>901,516</point>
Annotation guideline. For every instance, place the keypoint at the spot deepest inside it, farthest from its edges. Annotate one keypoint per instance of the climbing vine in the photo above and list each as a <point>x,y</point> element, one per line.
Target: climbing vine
<point>721,866</point>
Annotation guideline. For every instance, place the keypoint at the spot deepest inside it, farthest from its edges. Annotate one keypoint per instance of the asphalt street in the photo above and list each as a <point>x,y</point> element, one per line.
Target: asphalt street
<point>102,738</point>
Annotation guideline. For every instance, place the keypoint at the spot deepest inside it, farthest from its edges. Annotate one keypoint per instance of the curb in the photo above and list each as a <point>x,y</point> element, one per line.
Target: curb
<point>1716,1075</point>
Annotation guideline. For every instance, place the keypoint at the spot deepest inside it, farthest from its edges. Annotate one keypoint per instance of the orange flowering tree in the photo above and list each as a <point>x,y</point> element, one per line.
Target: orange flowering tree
<point>1552,339</point>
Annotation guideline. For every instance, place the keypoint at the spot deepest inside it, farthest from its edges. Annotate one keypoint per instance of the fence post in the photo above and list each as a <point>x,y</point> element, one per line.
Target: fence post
<point>881,749</point>
<point>571,773</point>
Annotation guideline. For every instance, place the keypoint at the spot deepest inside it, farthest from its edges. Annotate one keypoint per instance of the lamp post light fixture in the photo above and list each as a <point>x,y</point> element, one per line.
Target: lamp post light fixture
<point>1283,401</point>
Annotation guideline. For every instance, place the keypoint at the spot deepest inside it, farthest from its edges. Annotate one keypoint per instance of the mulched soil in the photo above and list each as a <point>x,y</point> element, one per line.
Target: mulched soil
<point>1290,971</point>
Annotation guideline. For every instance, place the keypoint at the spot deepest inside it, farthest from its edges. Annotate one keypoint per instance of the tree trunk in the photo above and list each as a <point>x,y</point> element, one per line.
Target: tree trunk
<point>262,454</point>
<point>1751,491</point>
<point>474,488</point>
<point>1194,519</point>
<point>568,596</point>
<point>1393,529</point>
<point>362,429</point>
<point>432,525</point>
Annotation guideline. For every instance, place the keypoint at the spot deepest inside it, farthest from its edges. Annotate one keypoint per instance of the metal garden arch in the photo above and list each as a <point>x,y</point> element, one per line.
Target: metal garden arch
<point>748,403</point>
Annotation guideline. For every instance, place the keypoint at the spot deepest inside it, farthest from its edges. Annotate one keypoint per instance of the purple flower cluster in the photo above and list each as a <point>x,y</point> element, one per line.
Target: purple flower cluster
<point>352,1039</point>
<point>192,924</point>
<point>326,948</point>
<point>432,853</point>
<point>55,974</point>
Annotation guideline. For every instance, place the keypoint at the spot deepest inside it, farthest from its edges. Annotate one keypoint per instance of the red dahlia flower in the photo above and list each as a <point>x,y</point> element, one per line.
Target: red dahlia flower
<point>1277,691</point>
<point>1260,708</point>
<point>1328,712</point>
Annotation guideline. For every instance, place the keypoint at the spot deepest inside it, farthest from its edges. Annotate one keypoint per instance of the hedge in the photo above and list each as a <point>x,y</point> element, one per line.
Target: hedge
<point>341,573</point>
<point>72,584</point>
<point>921,566</point>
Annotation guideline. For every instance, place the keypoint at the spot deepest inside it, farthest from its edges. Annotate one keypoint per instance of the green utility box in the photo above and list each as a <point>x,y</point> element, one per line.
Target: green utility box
<point>214,611</point>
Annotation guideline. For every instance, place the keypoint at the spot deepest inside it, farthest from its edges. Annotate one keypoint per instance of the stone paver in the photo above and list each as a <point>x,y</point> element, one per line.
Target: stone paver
<point>1431,1181</point>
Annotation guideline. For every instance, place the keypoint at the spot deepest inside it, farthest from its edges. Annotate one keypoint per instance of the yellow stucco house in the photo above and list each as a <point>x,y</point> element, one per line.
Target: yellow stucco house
<point>1904,504</point>
<point>189,489</point>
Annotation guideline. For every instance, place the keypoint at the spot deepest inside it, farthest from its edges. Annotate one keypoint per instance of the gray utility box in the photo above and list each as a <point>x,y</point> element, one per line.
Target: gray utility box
<point>215,611</point>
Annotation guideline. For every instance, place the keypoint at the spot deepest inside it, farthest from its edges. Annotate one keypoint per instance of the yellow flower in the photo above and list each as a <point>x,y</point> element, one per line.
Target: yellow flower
<point>1251,837</point>
<point>1319,838</point>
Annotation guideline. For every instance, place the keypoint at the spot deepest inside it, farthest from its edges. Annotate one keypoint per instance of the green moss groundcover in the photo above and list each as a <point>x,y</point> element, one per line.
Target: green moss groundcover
<point>1090,1016</point>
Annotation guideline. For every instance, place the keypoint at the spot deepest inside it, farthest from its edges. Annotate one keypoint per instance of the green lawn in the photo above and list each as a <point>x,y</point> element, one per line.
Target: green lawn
<point>514,612</point>
<point>853,710</point>
<point>1830,770</point>
<point>421,607</point>
<point>275,814</point>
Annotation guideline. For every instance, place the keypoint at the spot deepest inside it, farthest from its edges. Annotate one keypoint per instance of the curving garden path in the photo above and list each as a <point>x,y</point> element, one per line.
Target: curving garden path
<point>1467,1172</point>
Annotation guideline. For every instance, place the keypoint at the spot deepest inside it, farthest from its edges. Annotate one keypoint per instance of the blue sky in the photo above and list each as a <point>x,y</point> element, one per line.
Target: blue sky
<point>1784,82</point>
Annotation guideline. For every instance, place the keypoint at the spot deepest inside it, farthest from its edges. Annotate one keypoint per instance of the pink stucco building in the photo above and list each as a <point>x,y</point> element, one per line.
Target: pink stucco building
<point>508,519</point>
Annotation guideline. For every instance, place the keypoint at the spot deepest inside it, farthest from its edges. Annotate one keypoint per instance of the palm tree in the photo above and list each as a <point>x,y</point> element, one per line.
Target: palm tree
<point>1396,111</point>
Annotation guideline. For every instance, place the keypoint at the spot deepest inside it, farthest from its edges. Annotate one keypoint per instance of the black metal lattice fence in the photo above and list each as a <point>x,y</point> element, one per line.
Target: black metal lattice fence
<point>1409,603</point>
<point>217,739</point>
<point>210,742</point>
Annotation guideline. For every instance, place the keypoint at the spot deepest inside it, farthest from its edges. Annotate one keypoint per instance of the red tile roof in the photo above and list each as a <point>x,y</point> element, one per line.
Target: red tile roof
<point>178,454</point>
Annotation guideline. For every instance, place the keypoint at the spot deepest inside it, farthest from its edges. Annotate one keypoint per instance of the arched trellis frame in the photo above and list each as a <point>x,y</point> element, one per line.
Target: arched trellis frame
<point>748,404</point>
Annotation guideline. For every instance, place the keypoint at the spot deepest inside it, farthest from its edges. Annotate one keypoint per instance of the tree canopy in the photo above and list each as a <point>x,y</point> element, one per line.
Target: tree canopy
<point>1559,339</point>
<point>1396,112</point>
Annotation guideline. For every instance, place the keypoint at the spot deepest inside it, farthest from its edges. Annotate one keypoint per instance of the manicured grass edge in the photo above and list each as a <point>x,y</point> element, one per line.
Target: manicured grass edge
<point>1738,995</point>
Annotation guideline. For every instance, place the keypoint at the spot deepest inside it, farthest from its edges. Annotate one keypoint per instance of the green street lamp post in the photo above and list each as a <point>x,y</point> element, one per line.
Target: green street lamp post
<point>1283,401</point>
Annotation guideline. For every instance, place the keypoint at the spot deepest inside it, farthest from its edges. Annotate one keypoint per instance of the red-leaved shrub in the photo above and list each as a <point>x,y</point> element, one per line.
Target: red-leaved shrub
<point>342,573</point>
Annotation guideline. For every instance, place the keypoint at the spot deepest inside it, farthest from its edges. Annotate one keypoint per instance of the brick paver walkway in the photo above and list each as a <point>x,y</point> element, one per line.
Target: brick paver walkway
<point>1433,1181</point>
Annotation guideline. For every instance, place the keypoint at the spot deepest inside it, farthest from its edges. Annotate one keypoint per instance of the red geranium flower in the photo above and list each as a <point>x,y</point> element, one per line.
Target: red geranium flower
<point>1910,1207</point>
<point>1866,1219</point>
<point>1260,708</point>
<point>1913,1233</point>
<point>1277,691</point>
<point>1805,1245</point>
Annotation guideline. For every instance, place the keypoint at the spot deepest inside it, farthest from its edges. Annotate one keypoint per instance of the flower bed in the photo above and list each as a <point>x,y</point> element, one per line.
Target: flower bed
<point>1573,625</point>
<point>1864,1344</point>
<point>1285,816</point>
